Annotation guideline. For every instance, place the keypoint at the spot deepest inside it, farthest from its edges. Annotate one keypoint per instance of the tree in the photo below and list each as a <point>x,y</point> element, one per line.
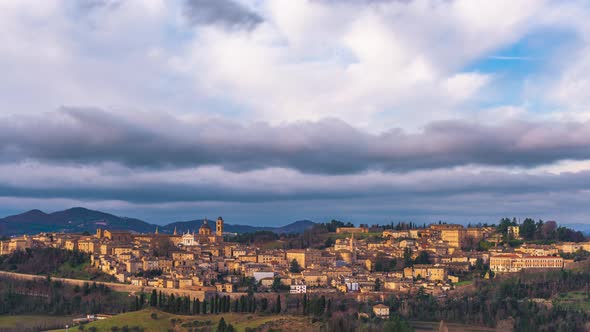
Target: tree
<point>422,258</point>
<point>278,304</point>
<point>377,284</point>
<point>221,326</point>
<point>408,257</point>
<point>527,229</point>
<point>503,226</point>
<point>154,299</point>
<point>276,284</point>
<point>295,267</point>
<point>197,306</point>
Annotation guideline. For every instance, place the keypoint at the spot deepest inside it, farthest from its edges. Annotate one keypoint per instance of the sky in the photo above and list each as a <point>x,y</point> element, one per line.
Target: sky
<point>271,111</point>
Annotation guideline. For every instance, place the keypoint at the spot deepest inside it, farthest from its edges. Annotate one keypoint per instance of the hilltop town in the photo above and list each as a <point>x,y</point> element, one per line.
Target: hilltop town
<point>437,259</point>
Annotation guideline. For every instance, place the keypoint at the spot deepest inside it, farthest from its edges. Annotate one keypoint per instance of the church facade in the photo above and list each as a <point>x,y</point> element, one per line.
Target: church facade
<point>205,234</point>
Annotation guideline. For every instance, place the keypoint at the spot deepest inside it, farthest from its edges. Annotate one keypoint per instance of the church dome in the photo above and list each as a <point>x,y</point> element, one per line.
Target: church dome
<point>205,229</point>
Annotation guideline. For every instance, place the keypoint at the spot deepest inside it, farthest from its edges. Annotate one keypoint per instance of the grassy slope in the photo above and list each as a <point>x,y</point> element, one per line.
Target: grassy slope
<point>163,322</point>
<point>30,321</point>
<point>576,300</point>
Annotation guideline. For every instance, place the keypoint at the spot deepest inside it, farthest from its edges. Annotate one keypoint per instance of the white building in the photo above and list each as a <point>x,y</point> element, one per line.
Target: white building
<point>263,275</point>
<point>188,239</point>
<point>298,289</point>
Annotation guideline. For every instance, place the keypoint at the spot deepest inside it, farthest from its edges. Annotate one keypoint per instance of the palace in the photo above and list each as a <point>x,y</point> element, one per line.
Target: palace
<point>205,234</point>
<point>507,262</point>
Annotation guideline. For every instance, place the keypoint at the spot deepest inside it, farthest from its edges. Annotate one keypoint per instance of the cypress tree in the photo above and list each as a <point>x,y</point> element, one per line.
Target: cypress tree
<point>178,306</point>
<point>227,303</point>
<point>154,298</point>
<point>242,303</point>
<point>197,306</point>
<point>278,304</point>
<point>221,326</point>
<point>171,303</point>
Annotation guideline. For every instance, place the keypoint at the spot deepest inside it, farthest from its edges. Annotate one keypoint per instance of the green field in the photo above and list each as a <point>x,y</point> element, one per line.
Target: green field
<point>32,321</point>
<point>576,300</point>
<point>464,283</point>
<point>165,321</point>
<point>274,245</point>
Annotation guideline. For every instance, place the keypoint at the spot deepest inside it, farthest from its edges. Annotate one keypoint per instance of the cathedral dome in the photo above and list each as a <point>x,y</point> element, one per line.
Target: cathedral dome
<point>205,229</point>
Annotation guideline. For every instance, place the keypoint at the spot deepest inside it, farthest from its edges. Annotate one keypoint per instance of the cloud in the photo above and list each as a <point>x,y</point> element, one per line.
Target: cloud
<point>227,13</point>
<point>108,181</point>
<point>330,146</point>
<point>339,106</point>
<point>460,194</point>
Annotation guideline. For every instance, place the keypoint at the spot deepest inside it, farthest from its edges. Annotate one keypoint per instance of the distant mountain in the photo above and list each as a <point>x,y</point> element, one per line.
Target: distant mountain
<point>296,227</point>
<point>74,220</point>
<point>78,220</point>
<point>584,228</point>
<point>184,226</point>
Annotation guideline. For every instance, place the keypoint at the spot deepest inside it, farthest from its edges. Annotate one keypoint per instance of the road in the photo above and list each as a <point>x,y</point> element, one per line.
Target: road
<point>112,285</point>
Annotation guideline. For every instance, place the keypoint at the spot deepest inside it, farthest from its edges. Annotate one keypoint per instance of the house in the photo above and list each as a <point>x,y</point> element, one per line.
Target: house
<point>225,288</point>
<point>298,289</point>
<point>381,311</point>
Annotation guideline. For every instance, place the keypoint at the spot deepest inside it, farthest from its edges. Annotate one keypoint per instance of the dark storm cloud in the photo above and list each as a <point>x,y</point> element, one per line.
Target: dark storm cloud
<point>330,146</point>
<point>227,13</point>
<point>151,187</point>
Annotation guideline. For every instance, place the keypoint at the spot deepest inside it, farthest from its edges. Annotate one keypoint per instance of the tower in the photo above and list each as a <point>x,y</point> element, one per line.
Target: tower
<point>175,231</point>
<point>352,246</point>
<point>99,233</point>
<point>219,227</point>
<point>156,230</point>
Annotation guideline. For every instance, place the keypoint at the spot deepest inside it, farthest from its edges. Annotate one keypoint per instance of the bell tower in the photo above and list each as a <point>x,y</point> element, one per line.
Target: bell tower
<point>219,227</point>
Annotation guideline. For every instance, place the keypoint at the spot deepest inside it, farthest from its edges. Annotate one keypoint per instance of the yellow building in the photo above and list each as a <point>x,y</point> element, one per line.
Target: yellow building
<point>118,236</point>
<point>71,244</point>
<point>476,233</point>
<point>298,255</point>
<point>517,262</point>
<point>453,236</point>
<point>514,232</point>
<point>362,229</point>
<point>87,245</point>
<point>381,311</point>
<point>315,278</point>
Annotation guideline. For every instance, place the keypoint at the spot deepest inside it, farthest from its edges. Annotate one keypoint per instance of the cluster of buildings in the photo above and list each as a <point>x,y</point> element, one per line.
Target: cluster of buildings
<point>355,263</point>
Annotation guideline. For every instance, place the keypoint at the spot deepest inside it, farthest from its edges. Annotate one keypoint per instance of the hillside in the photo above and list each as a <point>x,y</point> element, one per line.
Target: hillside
<point>183,226</point>
<point>71,220</point>
<point>154,320</point>
<point>79,219</point>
